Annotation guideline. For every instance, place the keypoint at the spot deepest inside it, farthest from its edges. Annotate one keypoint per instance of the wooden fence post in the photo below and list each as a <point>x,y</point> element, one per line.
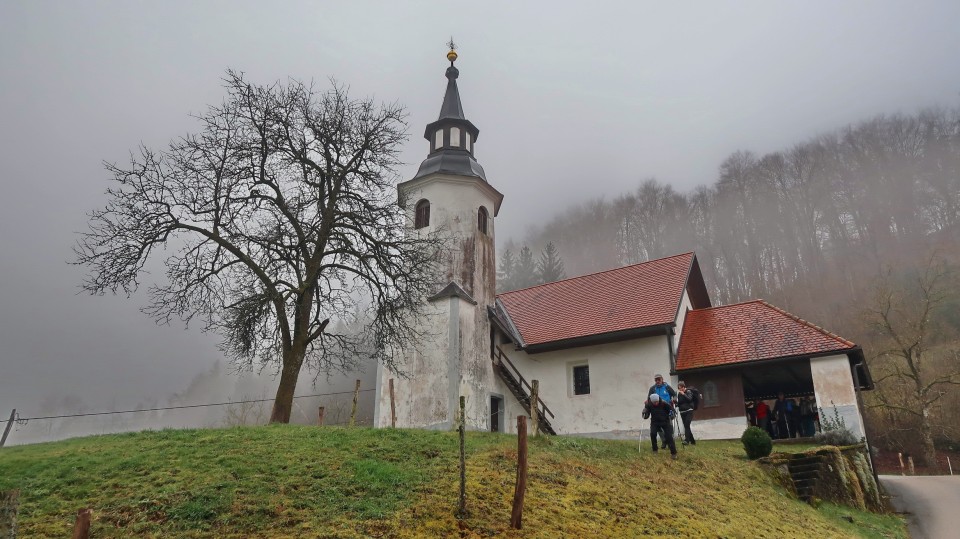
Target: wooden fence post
<point>9,502</point>
<point>320,419</point>
<point>81,528</point>
<point>462,502</point>
<point>393,408</point>
<point>516,517</point>
<point>6,430</point>
<point>534,411</point>
<point>353,411</point>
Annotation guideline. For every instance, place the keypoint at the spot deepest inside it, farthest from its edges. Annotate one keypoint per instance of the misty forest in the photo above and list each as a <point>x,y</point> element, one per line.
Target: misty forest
<point>856,229</point>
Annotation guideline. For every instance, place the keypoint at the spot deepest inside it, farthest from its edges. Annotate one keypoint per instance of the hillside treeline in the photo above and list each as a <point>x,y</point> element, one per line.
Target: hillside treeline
<point>819,229</point>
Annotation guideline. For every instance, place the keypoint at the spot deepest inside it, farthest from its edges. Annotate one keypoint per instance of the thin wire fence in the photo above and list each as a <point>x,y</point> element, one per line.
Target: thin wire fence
<point>23,420</point>
<point>67,423</point>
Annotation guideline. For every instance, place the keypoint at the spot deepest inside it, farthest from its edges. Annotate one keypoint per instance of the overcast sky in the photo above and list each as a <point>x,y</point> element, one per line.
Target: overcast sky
<point>571,104</point>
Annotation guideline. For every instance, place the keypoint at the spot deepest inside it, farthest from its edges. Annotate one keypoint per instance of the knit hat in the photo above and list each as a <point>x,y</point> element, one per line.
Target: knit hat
<point>654,398</point>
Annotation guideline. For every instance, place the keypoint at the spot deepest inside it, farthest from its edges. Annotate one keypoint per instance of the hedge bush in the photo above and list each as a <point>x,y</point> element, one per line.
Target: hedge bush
<point>756,442</point>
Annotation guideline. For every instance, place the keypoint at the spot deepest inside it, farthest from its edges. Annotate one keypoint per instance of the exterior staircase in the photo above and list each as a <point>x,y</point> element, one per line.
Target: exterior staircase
<point>521,389</point>
<point>805,472</point>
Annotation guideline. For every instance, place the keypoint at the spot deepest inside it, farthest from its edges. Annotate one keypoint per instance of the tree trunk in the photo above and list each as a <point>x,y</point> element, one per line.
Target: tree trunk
<point>283,402</point>
<point>926,437</point>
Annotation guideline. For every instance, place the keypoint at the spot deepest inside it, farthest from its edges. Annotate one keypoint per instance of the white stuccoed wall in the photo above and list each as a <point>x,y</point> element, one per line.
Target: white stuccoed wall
<point>620,375</point>
<point>422,399</point>
<point>718,429</point>
<point>833,387</point>
<point>681,316</point>
<point>456,359</point>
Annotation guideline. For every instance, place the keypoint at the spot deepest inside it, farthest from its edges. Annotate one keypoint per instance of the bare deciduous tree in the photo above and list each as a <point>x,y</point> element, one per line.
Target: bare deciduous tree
<point>281,214</point>
<point>906,319</point>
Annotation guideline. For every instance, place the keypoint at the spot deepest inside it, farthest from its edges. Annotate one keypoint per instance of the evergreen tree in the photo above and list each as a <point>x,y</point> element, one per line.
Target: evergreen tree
<point>550,266</point>
<point>506,273</point>
<point>525,272</point>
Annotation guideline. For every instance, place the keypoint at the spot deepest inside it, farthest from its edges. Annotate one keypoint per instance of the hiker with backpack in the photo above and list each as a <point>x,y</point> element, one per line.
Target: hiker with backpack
<point>660,413</point>
<point>666,394</point>
<point>688,400</point>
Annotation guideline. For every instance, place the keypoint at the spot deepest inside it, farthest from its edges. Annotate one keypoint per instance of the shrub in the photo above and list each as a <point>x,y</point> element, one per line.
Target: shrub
<point>834,430</point>
<point>837,438</point>
<point>756,442</point>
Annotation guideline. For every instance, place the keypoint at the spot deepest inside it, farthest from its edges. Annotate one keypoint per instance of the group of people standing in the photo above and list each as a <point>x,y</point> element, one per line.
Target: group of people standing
<point>661,408</point>
<point>787,419</point>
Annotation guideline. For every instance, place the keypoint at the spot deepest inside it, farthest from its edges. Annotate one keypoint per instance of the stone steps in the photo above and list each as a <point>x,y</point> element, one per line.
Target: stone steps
<point>805,473</point>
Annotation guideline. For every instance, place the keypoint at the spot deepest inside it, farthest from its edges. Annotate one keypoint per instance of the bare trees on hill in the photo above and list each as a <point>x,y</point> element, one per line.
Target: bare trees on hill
<point>916,353</point>
<point>816,212</point>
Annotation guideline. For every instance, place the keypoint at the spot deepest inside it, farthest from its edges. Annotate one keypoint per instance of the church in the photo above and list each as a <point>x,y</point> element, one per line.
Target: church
<point>593,343</point>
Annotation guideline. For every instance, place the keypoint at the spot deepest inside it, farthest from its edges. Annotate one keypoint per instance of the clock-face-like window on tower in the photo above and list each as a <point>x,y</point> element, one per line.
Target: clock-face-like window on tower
<point>455,136</point>
<point>422,216</point>
<point>482,217</point>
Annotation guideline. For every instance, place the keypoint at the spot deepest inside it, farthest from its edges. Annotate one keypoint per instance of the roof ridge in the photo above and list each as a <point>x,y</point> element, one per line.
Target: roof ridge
<point>809,324</point>
<point>598,272</point>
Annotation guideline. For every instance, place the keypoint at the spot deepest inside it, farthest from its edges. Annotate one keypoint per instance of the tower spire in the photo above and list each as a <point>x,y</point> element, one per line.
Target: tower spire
<point>452,135</point>
<point>452,108</point>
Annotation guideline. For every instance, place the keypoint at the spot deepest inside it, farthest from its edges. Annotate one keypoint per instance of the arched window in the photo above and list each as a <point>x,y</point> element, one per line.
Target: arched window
<point>455,136</point>
<point>482,220</point>
<point>422,216</point>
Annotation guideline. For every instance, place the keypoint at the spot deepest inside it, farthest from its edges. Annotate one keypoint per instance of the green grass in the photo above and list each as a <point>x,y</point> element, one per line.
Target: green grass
<point>288,481</point>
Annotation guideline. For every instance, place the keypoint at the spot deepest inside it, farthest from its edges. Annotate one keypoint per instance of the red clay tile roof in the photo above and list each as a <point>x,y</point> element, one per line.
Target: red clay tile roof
<point>630,297</point>
<point>749,331</point>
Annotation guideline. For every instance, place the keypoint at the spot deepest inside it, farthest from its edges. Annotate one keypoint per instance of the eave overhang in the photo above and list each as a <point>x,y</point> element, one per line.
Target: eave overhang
<point>855,355</point>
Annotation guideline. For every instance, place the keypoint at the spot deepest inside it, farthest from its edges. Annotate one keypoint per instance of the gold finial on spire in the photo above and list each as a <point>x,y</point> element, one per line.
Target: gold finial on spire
<point>452,55</point>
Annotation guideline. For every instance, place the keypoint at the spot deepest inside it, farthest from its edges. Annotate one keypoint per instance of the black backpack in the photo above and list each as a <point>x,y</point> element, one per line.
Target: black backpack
<point>697,397</point>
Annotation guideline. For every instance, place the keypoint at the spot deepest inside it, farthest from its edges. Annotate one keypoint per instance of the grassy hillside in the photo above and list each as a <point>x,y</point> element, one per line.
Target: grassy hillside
<point>288,481</point>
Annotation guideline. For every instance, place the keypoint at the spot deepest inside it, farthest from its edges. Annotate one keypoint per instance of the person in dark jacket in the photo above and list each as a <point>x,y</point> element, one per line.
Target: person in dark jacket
<point>685,403</point>
<point>666,393</point>
<point>661,414</point>
<point>783,411</point>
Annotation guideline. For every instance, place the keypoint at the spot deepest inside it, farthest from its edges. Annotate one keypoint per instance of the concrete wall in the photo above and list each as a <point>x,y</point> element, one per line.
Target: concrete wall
<point>620,375</point>
<point>833,387</point>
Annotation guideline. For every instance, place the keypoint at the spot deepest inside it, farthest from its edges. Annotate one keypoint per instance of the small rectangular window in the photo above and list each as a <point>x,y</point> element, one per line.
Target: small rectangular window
<point>581,380</point>
<point>496,414</point>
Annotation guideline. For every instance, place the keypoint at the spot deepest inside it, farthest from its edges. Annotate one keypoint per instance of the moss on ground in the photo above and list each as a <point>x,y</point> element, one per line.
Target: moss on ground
<point>282,481</point>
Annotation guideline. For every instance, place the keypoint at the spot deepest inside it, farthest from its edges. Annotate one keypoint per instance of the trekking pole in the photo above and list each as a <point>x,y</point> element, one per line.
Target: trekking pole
<point>676,422</point>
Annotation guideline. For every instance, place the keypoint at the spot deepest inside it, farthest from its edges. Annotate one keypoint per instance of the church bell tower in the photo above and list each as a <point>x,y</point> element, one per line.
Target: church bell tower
<point>449,195</point>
